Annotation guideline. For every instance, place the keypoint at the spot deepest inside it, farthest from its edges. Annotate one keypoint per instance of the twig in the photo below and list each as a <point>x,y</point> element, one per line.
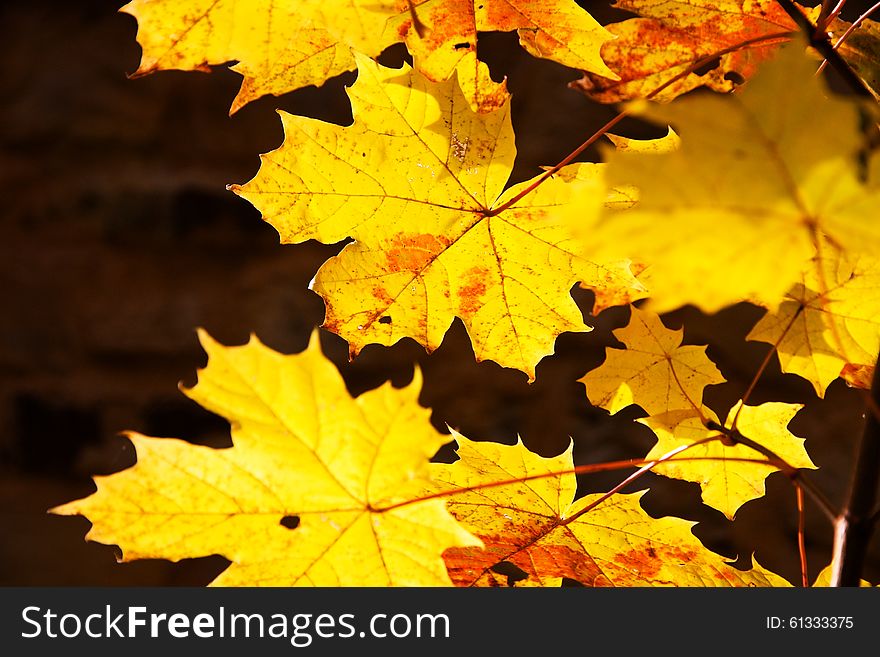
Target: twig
<point>819,41</point>
<point>855,524</point>
<point>734,437</point>
<point>852,28</point>
<point>802,536</point>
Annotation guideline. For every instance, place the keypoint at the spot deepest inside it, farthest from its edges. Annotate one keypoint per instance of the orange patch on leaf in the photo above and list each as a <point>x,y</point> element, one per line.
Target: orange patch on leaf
<point>471,294</point>
<point>858,376</point>
<point>414,251</point>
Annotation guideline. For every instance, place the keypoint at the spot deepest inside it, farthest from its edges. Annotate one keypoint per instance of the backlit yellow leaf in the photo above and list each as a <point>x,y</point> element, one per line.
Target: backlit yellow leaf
<point>654,371</point>
<point>728,484</point>
<point>734,214</point>
<point>277,49</point>
<point>303,451</point>
<point>416,181</point>
<point>666,144</point>
<point>828,322</point>
<point>539,527</point>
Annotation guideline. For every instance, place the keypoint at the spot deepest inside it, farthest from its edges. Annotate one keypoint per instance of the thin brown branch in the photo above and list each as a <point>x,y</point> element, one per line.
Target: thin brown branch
<point>590,468</point>
<point>818,39</point>
<point>763,366</point>
<point>802,535</point>
<point>828,13</point>
<point>735,437</point>
<point>856,522</point>
<point>639,473</point>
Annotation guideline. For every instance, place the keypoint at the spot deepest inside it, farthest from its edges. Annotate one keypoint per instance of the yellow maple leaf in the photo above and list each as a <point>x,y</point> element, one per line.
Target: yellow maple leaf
<point>281,45</point>
<point>829,321</point>
<point>277,48</point>
<point>668,36</point>
<point>735,212</point>
<point>303,450</point>
<point>539,527</point>
<point>416,181</point>
<point>654,371</point>
<point>728,484</point>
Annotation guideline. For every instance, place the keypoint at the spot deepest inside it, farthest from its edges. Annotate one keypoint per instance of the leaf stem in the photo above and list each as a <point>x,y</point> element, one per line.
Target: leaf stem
<point>802,536</point>
<point>855,524</point>
<point>763,366</point>
<point>828,14</point>
<point>638,473</point>
<point>589,468</point>
<point>852,28</point>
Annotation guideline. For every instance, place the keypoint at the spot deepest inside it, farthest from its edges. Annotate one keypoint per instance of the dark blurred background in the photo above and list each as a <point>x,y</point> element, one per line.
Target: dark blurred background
<point>118,239</point>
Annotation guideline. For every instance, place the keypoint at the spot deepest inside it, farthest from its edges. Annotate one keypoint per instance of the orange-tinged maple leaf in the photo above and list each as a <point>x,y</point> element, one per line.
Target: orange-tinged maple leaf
<point>415,181</point>
<point>439,32</point>
<point>726,483</point>
<point>829,323</point>
<point>667,37</point>
<point>539,527</point>
<point>302,448</point>
<point>654,371</point>
<point>276,47</point>
<point>281,45</point>
<point>734,214</point>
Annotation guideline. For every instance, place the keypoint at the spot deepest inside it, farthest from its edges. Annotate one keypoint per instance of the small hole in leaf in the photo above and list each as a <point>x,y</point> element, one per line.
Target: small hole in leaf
<point>708,66</point>
<point>734,77</point>
<point>385,320</point>
<point>513,572</point>
<point>462,46</point>
<point>290,522</point>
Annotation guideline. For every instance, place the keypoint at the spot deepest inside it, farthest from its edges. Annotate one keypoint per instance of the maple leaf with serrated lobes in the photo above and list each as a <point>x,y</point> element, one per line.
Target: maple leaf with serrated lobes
<point>276,47</point>
<point>829,323</point>
<point>654,371</point>
<point>734,214</point>
<point>302,448</point>
<point>668,37</point>
<point>418,181</point>
<point>726,482</point>
<point>539,527</point>
<point>282,45</point>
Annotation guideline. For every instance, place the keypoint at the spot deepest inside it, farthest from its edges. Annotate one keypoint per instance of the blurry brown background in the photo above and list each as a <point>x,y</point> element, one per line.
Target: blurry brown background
<point>118,239</point>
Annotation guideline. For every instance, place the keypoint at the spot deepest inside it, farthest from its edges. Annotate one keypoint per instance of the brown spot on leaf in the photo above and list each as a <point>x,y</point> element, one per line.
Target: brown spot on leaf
<point>381,295</point>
